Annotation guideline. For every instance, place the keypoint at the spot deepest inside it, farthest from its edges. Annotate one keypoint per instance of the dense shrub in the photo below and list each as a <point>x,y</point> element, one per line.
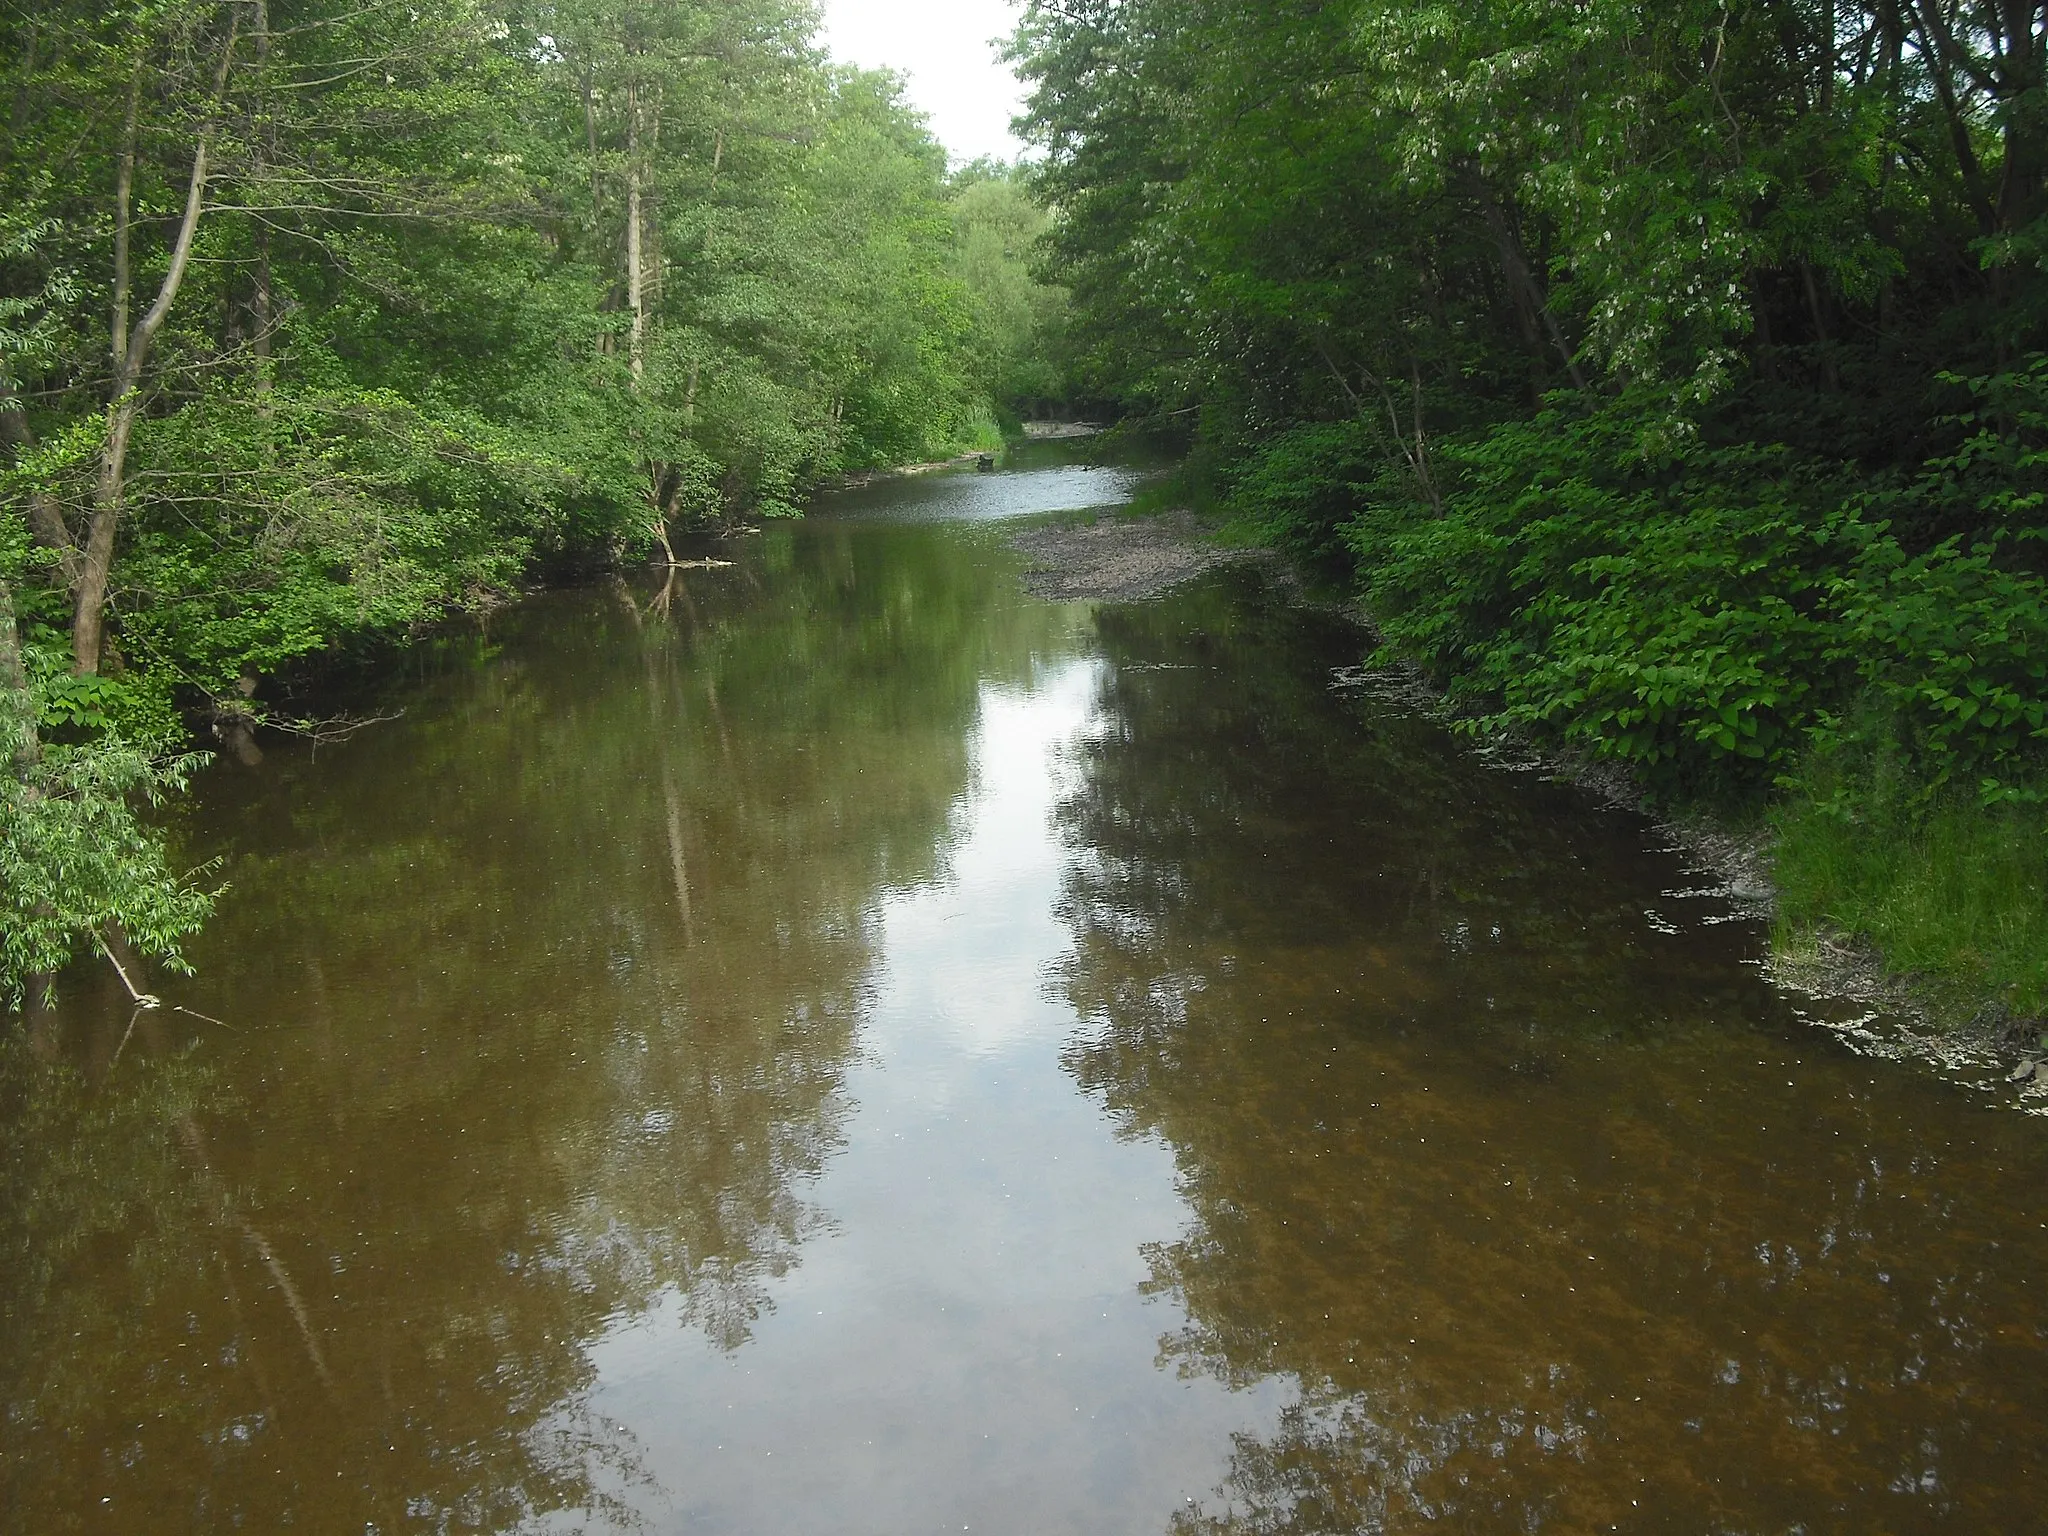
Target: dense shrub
<point>1710,613</point>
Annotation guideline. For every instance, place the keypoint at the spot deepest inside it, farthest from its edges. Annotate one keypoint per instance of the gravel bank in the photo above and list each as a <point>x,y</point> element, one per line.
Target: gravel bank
<point>1122,559</point>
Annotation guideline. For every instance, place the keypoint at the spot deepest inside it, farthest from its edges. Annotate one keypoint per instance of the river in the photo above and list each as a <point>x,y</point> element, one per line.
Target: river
<point>834,1044</point>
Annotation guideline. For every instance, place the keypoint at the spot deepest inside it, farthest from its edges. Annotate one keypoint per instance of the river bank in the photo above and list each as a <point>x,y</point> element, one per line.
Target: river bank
<point>835,1016</point>
<point>1883,1009</point>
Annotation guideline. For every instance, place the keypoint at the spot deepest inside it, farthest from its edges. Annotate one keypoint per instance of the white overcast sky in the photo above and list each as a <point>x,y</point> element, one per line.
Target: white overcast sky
<point>948,49</point>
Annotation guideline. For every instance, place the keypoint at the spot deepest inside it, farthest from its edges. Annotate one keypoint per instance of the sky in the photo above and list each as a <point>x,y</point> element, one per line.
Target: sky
<point>946,48</point>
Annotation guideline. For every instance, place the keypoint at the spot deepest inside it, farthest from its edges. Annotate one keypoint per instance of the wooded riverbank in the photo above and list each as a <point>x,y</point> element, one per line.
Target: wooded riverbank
<point>1671,385</point>
<point>836,1021</point>
<point>1670,382</point>
<point>1947,1017</point>
<point>322,323</point>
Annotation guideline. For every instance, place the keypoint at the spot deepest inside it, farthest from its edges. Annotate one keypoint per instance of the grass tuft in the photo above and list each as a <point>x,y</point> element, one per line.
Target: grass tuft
<point>1951,890</point>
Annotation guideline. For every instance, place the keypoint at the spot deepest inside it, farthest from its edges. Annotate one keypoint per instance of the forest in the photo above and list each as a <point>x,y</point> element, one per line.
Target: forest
<point>1669,380</point>
<point>323,322</point>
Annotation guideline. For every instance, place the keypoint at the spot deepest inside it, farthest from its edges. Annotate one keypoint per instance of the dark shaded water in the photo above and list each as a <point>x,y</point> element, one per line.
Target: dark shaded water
<point>853,1049</point>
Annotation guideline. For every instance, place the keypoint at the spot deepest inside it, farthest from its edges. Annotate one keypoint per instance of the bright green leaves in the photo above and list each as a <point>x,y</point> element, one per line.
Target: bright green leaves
<point>1955,649</point>
<point>79,869</point>
<point>1018,323</point>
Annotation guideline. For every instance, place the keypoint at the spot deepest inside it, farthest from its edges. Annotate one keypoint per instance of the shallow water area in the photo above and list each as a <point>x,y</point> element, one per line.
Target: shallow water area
<point>833,1044</point>
<point>1032,478</point>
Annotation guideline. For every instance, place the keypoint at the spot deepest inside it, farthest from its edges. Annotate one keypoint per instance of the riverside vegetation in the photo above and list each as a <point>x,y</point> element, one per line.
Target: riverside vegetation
<point>1671,378</point>
<point>322,320</point>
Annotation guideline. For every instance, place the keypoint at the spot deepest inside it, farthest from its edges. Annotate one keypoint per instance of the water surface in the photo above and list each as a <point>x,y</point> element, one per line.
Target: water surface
<point>836,1045</point>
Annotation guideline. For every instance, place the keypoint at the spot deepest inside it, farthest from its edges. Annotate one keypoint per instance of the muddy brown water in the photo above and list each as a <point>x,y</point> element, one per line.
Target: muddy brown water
<point>854,1049</point>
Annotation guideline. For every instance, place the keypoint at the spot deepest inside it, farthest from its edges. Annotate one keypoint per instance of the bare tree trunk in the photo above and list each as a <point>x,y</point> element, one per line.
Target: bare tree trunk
<point>1823,338</point>
<point>696,365</point>
<point>1827,56</point>
<point>1939,44</point>
<point>1763,344</point>
<point>89,609</point>
<point>1523,281</point>
<point>263,302</point>
<point>590,144</point>
<point>657,514</point>
<point>636,276</point>
<point>639,131</point>
<point>1414,449</point>
<point>2025,133</point>
<point>653,199</point>
<point>124,197</point>
<point>124,402</point>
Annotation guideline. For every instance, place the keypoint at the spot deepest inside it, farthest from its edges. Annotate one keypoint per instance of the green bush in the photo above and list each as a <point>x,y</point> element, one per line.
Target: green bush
<point>1711,614</point>
<point>1299,488</point>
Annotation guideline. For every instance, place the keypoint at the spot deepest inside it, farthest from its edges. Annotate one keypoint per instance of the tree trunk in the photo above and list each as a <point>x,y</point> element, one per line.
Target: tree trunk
<point>89,611</point>
<point>124,197</point>
<point>1940,47</point>
<point>1827,56</point>
<point>590,144</point>
<point>17,704</point>
<point>1763,345</point>
<point>124,400</point>
<point>1523,282</point>
<point>636,275</point>
<point>1823,338</point>
<point>657,289</point>
<point>263,307</point>
<point>2026,123</point>
<point>263,302</point>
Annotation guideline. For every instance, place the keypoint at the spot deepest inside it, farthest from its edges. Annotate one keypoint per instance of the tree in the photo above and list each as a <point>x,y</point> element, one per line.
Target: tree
<point>322,322</point>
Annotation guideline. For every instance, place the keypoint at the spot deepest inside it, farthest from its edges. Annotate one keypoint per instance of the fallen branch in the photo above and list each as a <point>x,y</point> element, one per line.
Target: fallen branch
<point>325,732</point>
<point>142,1000</point>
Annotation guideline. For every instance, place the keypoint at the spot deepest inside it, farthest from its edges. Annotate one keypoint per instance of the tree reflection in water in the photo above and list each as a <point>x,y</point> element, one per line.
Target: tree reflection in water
<point>1557,1218</point>
<point>546,999</point>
